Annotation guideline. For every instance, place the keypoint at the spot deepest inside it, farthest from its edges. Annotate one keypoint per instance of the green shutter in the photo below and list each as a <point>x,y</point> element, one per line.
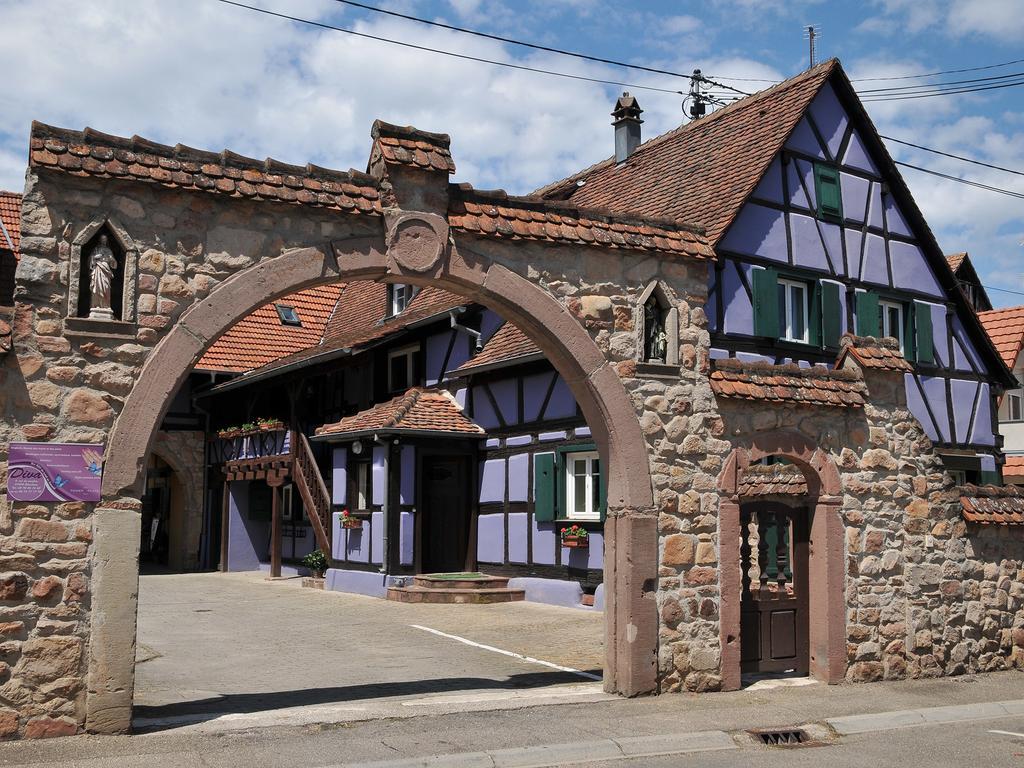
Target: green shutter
<point>831,314</point>
<point>988,477</point>
<point>925,340</point>
<point>867,313</point>
<point>826,182</point>
<point>815,320</point>
<point>909,335</point>
<point>765,283</point>
<point>544,487</point>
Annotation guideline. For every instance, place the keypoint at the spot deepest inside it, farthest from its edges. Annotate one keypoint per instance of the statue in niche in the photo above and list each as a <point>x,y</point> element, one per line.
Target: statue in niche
<point>655,335</point>
<point>102,264</point>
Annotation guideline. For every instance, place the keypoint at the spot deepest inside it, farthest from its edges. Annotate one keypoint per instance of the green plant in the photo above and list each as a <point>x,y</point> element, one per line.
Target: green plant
<point>575,531</point>
<point>248,426</point>
<point>316,561</point>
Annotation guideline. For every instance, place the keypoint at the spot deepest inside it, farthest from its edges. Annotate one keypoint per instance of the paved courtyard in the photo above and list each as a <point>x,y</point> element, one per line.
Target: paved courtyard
<point>213,644</point>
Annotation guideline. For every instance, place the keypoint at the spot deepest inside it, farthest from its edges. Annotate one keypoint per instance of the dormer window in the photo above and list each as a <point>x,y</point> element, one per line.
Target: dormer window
<point>399,297</point>
<point>288,315</point>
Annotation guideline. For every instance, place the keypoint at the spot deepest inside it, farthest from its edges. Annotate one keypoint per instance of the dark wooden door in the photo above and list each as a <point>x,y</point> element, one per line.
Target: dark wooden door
<point>774,631</point>
<point>446,510</point>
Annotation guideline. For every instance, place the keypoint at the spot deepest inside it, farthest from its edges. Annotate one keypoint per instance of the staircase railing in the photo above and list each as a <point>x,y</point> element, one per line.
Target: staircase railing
<point>313,491</point>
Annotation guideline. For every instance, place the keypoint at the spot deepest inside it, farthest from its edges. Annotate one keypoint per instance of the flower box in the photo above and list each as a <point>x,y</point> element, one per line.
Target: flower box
<point>576,542</point>
<point>271,426</point>
<point>229,434</point>
<point>351,522</point>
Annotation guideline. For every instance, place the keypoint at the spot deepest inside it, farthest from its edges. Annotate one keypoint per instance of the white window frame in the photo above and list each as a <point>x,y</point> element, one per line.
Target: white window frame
<point>409,353</point>
<point>884,306</point>
<point>786,326</point>
<point>959,476</point>
<point>571,513</point>
<point>1015,397</point>
<point>400,295</point>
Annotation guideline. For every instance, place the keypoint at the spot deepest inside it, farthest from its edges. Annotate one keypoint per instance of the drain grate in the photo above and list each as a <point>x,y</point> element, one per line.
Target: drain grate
<point>780,738</point>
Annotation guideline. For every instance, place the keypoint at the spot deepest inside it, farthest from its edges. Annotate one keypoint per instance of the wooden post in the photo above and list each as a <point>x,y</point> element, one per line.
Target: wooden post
<point>275,527</point>
<point>225,522</point>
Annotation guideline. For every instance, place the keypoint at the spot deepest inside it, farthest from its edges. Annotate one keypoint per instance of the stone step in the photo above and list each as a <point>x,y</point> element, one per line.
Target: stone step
<point>459,581</point>
<point>455,595</point>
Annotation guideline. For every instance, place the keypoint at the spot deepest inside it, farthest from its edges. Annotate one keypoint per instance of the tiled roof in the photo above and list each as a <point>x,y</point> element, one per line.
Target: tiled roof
<point>411,146</point>
<point>91,153</point>
<point>955,260</point>
<point>497,214</point>
<point>773,480</point>
<point>1006,329</point>
<point>879,354</point>
<point>992,504</point>
<point>703,171</point>
<point>418,410</point>
<point>788,383</point>
<point>261,337</point>
<point>1014,466</point>
<point>10,241</point>
<point>508,344</point>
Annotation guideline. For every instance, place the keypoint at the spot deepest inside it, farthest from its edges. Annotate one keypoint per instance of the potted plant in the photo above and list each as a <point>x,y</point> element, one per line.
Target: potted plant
<point>270,425</point>
<point>348,520</point>
<point>575,537</point>
<point>228,433</point>
<point>248,427</point>
<point>316,561</point>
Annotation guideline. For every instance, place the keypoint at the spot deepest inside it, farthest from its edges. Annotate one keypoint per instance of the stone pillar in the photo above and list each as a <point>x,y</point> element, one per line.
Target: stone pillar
<point>731,585</point>
<point>630,576</point>
<point>827,591</point>
<point>115,597</point>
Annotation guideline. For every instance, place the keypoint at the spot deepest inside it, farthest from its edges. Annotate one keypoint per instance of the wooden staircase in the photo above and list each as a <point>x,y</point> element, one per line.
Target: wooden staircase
<point>313,490</point>
<point>456,588</point>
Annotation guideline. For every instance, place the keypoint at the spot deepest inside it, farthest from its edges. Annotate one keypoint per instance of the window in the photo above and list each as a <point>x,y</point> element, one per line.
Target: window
<point>399,297</point>
<point>792,310</point>
<point>402,368</point>
<point>826,183</point>
<point>890,320</point>
<point>362,496</point>
<point>583,486</point>
<point>288,315</point>
<point>959,476</point>
<point>1015,405</point>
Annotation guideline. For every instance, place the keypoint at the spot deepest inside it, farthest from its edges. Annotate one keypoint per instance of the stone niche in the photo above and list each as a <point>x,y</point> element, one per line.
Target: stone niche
<point>124,289</point>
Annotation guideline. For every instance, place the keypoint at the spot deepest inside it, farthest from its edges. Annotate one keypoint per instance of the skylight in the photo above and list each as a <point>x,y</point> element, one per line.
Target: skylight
<point>288,315</point>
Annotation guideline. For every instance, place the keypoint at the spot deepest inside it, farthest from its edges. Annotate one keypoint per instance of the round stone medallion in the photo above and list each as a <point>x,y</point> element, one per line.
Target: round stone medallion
<point>415,243</point>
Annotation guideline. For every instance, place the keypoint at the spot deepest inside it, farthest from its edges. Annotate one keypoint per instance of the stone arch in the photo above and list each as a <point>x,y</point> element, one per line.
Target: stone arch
<point>827,584</point>
<point>408,256</point>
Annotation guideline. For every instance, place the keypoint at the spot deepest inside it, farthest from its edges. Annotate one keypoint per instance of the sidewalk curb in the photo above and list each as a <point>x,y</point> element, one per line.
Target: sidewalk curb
<point>566,754</point>
<point>909,718</point>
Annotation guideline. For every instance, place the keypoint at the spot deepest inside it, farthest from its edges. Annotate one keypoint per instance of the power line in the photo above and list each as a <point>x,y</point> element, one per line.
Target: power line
<point>951,92</point>
<point>955,157</point>
<point>936,74</point>
<point>969,182</point>
<point>512,41</point>
<point>946,84</point>
<point>464,56</point>
<point>1003,290</point>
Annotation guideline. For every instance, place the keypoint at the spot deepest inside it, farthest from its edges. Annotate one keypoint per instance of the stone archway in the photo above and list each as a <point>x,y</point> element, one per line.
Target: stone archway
<point>825,567</point>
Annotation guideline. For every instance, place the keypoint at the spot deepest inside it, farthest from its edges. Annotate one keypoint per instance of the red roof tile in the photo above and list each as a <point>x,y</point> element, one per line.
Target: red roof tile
<point>879,354</point>
<point>261,337</point>
<point>1006,329</point>
<point>773,480</point>
<point>955,260</point>
<point>497,214</point>
<point>10,242</point>
<point>418,410</point>
<point>507,345</point>
<point>992,504</point>
<point>91,153</point>
<point>788,383</point>
<point>411,146</point>
<point>1014,466</point>
<point>703,171</point>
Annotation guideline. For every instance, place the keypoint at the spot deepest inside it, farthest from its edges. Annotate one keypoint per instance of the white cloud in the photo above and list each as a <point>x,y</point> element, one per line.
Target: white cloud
<point>1000,19</point>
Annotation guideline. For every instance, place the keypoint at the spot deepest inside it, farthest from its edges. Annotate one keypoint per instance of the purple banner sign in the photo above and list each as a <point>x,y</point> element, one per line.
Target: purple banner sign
<point>54,472</point>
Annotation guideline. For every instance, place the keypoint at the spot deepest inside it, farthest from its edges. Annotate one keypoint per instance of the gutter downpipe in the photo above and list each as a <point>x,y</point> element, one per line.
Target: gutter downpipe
<point>385,560</point>
<point>475,334</point>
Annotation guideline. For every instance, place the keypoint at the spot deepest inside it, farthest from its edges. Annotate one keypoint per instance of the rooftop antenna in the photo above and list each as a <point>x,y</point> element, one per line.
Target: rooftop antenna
<point>812,32</point>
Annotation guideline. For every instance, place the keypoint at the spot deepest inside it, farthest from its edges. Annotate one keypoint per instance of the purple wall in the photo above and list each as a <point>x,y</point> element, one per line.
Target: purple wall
<point>407,486</point>
<point>535,389</point>
<point>437,349</point>
<point>379,481</point>
<point>545,539</point>
<point>506,395</point>
<point>339,476</point>
<point>357,544</point>
<point>247,539</point>
<point>758,231</point>
<point>591,557</point>
<point>518,478</point>
<point>377,538</point>
<point>490,538</point>
<point>518,533</point>
<point>492,481</point>
<point>739,312</point>
<point>406,538</point>
<point>562,404</point>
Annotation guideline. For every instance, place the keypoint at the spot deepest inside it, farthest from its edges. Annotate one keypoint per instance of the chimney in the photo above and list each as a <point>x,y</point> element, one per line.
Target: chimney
<point>627,127</point>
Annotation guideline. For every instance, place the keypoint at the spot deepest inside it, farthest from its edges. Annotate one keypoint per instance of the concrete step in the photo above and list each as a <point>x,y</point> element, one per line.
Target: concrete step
<point>455,595</point>
<point>459,581</point>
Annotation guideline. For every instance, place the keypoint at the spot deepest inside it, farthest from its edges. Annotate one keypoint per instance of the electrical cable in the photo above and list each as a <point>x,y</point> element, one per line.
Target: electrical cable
<point>464,56</point>
<point>936,74</point>
<point>946,84</point>
<point>955,157</point>
<point>969,182</point>
<point>871,99</point>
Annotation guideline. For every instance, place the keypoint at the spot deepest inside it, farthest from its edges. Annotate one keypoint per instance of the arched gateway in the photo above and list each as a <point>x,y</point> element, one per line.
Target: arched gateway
<point>825,469</point>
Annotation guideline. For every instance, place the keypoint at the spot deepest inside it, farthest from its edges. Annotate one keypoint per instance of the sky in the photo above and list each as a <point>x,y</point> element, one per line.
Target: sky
<point>214,76</point>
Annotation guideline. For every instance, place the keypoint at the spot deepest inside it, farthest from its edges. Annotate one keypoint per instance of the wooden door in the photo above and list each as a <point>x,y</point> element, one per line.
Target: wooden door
<point>774,630</point>
<point>446,511</point>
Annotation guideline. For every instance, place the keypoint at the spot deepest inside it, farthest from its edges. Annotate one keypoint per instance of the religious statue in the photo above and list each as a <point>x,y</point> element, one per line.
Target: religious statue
<point>655,336</point>
<point>102,264</point>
